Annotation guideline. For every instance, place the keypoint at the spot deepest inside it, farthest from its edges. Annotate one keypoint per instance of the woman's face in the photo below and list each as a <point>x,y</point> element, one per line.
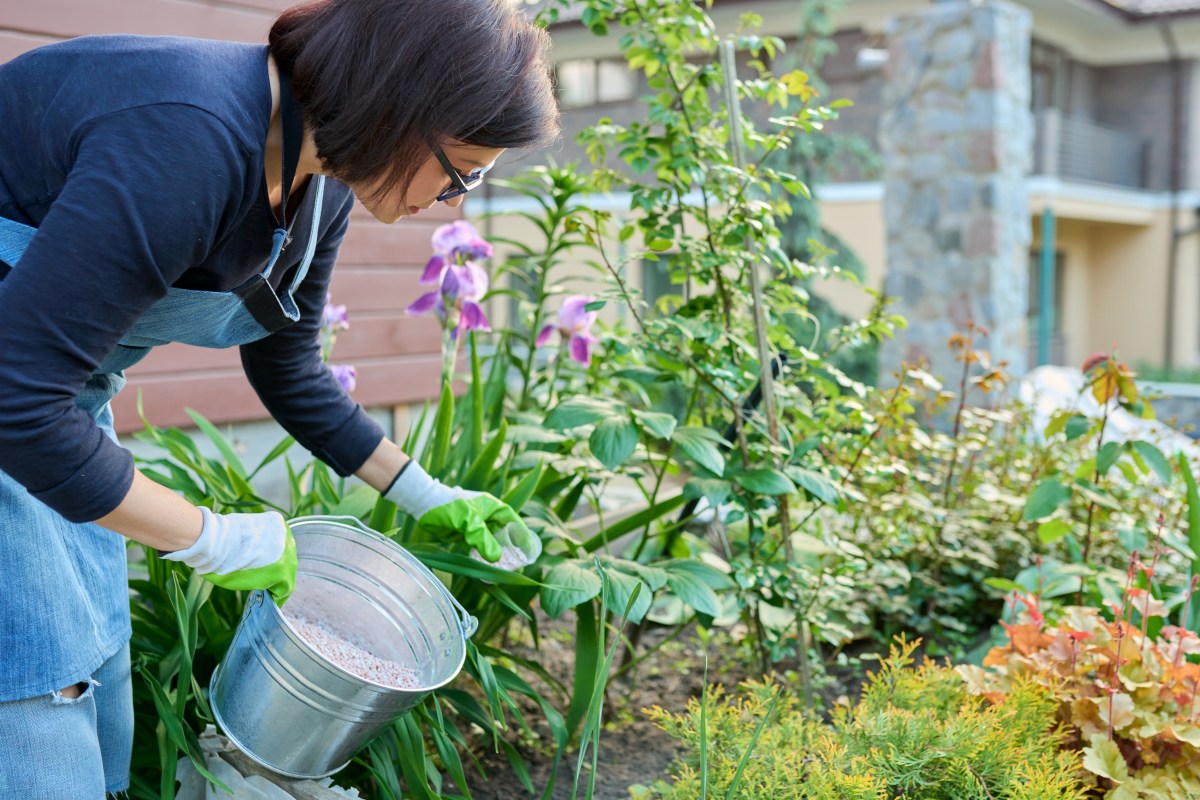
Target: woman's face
<point>429,181</point>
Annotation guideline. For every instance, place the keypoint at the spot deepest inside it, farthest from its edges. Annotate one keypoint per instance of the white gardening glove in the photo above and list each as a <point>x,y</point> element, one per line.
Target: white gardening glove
<point>243,552</point>
<point>414,492</point>
<point>230,542</point>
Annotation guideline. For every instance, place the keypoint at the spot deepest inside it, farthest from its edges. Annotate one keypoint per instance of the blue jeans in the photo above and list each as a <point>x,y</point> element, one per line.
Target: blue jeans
<point>55,748</point>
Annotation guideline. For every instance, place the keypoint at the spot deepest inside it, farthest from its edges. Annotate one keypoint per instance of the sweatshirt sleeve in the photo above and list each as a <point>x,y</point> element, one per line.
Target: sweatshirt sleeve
<point>146,195</point>
<point>294,383</point>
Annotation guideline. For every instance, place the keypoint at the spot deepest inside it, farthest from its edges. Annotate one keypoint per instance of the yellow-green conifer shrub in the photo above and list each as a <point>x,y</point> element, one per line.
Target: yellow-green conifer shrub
<point>916,733</point>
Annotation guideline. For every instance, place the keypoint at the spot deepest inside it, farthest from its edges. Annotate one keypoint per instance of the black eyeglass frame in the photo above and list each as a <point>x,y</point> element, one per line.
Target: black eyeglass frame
<point>459,184</point>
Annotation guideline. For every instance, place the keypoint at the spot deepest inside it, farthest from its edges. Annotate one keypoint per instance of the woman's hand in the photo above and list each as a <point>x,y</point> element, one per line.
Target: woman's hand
<point>495,532</point>
<point>244,552</point>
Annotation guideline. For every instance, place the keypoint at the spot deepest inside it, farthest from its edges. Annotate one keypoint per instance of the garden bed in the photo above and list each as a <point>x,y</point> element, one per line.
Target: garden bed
<point>633,749</point>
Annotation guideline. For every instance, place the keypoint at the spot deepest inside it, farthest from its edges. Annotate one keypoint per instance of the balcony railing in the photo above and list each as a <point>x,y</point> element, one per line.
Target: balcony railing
<point>1075,148</point>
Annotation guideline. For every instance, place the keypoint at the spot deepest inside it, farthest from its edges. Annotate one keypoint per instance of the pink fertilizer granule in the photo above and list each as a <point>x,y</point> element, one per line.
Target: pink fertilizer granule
<point>353,658</point>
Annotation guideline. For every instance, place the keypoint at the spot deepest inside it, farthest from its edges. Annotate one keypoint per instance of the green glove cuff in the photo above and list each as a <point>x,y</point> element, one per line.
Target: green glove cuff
<point>279,578</point>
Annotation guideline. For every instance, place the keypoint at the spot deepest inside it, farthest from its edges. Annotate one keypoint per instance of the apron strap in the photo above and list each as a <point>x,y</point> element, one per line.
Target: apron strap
<point>14,238</point>
<point>311,248</point>
<point>292,119</point>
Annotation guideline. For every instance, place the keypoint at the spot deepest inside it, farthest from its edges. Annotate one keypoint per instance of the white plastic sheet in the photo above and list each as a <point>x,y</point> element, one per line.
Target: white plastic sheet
<point>1050,389</point>
<point>193,786</point>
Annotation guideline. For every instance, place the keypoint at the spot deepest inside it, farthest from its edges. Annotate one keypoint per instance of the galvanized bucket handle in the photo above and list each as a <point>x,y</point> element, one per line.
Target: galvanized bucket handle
<point>467,623</point>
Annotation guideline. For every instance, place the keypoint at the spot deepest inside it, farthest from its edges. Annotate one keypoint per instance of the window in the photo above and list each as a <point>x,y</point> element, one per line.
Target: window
<point>586,82</point>
<point>1049,74</point>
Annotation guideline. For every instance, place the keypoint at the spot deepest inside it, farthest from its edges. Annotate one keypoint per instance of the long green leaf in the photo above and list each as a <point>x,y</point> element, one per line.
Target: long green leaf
<point>411,756</point>
<point>745,759</point>
<point>484,464</point>
<point>443,424</point>
<point>587,655</point>
<point>383,515</point>
<point>565,508</point>
<point>593,724</point>
<point>166,712</point>
<point>494,391</point>
<point>1193,518</point>
<point>531,664</point>
<point>447,752</point>
<point>633,522</point>
<point>275,453</point>
<point>517,496</point>
<point>476,397</point>
<point>438,559</point>
<point>217,439</point>
<point>503,599</point>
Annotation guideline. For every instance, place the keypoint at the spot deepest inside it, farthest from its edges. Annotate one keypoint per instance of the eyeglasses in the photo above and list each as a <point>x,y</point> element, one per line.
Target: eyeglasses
<point>459,183</point>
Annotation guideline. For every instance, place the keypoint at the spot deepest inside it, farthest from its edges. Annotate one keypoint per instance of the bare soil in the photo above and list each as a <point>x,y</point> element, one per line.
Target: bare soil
<point>632,751</point>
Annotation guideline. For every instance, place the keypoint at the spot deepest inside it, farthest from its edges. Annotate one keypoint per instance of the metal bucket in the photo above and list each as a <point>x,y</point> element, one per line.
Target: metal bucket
<point>292,710</point>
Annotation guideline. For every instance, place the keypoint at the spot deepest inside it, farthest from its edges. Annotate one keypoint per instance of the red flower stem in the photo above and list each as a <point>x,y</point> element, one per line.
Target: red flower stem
<point>1113,679</point>
<point>1150,578</point>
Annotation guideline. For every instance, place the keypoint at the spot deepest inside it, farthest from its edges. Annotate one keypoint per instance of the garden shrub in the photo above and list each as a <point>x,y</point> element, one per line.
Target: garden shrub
<point>916,733</point>
<point>953,516</point>
<point>1125,690</point>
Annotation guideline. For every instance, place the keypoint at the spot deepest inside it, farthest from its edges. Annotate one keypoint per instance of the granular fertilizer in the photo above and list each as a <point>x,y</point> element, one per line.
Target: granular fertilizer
<point>353,658</point>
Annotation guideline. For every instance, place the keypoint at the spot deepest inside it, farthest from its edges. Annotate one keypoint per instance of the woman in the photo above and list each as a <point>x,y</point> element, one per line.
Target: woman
<point>162,189</point>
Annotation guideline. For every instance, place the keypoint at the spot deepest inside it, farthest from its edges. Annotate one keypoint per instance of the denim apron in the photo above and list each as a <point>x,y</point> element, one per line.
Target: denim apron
<point>64,597</point>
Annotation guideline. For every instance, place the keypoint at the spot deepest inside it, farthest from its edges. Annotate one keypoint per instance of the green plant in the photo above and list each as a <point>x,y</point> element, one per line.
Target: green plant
<point>1097,505</point>
<point>915,733</point>
<point>1125,688</point>
<point>706,192</point>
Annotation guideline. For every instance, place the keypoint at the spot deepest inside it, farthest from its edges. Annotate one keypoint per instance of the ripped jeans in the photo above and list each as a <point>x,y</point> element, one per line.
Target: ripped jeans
<point>53,747</point>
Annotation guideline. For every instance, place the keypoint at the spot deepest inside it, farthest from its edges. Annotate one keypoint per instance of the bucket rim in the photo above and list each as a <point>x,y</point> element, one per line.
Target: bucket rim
<point>467,624</point>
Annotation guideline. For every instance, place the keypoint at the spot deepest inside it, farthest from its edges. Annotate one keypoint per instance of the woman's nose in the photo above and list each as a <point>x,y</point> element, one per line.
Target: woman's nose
<point>455,202</point>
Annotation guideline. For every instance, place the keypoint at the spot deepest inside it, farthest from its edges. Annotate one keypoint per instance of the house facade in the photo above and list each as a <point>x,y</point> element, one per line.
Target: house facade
<point>1113,188</point>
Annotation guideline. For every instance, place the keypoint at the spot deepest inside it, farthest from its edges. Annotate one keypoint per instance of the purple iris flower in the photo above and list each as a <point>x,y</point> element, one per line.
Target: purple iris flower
<point>346,375</point>
<point>456,302</point>
<point>574,324</point>
<point>453,243</point>
<point>334,318</point>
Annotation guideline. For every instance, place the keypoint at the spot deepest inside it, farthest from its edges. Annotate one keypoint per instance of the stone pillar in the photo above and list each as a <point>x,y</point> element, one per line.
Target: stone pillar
<point>957,140</point>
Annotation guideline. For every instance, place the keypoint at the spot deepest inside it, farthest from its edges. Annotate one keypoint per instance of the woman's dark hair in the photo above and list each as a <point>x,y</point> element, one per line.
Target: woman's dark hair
<point>382,81</point>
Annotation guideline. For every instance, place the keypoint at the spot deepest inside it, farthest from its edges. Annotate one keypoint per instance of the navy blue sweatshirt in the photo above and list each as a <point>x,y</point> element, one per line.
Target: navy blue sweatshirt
<point>140,162</point>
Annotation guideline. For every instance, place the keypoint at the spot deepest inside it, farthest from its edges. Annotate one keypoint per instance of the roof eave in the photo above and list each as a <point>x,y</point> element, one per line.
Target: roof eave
<point>1141,19</point>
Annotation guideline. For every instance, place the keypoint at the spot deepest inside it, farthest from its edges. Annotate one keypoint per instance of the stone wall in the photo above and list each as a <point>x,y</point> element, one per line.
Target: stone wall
<point>956,138</point>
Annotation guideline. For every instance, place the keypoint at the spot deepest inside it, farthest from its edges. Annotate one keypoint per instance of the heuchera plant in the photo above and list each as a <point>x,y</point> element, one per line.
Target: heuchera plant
<point>1126,689</point>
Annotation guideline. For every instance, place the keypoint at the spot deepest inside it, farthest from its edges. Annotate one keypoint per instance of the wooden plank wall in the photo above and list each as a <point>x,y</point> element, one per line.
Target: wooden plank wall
<point>397,358</point>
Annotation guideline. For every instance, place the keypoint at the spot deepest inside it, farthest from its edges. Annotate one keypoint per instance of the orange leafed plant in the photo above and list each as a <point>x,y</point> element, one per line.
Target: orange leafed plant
<point>1128,700</point>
